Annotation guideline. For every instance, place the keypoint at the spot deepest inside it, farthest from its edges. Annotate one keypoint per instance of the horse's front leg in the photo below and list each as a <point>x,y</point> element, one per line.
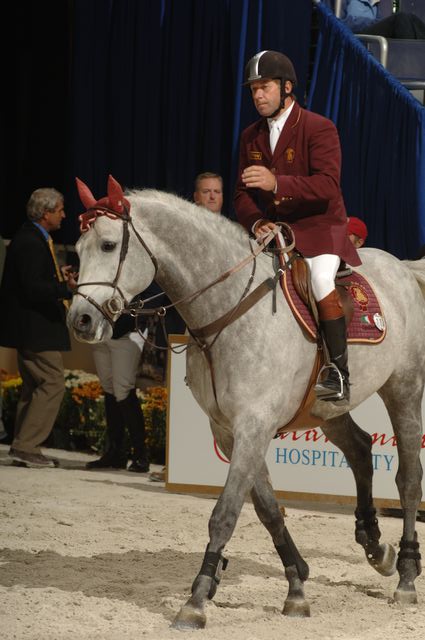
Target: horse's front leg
<point>356,445</point>
<point>247,456</point>
<point>296,569</point>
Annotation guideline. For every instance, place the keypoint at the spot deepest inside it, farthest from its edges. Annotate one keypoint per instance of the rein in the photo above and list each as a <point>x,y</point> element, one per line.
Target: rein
<point>243,305</point>
<point>116,304</point>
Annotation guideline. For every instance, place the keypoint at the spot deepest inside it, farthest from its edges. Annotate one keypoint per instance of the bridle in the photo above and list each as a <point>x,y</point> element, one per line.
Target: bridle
<point>116,304</point>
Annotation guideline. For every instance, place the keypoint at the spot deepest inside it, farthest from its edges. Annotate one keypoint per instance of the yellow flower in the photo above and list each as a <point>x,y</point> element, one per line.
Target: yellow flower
<point>10,381</point>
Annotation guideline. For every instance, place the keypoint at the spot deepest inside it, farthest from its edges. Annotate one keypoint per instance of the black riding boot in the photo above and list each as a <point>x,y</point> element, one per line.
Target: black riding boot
<point>114,456</point>
<point>134,420</point>
<point>334,334</point>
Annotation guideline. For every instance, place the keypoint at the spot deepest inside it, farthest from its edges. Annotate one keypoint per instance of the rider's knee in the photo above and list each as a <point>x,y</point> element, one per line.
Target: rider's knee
<point>322,284</point>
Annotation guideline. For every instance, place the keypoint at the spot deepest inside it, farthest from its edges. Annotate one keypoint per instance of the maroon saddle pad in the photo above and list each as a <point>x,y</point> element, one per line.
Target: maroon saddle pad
<point>367,324</point>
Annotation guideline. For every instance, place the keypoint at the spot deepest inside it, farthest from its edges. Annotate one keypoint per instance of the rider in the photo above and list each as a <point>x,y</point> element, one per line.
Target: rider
<point>289,170</point>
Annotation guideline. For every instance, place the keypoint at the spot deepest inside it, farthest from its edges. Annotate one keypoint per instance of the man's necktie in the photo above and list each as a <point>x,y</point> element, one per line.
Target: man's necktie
<point>57,268</point>
<point>274,136</point>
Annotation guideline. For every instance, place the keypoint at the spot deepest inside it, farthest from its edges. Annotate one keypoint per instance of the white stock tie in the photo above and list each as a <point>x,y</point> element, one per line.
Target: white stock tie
<point>274,135</point>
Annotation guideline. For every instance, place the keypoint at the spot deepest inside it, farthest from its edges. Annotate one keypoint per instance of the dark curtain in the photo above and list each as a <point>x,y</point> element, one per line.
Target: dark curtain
<point>382,131</point>
<point>35,58</point>
<point>154,94</point>
<point>157,95</point>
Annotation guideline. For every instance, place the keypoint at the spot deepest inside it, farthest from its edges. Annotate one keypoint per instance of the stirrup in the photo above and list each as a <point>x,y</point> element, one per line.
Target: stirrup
<point>325,393</point>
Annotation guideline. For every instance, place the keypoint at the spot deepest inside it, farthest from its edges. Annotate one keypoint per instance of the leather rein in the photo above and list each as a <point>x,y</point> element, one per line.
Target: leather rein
<point>116,304</point>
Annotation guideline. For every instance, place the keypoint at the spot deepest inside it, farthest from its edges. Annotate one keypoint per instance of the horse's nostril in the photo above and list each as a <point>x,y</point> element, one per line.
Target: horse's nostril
<point>84,320</point>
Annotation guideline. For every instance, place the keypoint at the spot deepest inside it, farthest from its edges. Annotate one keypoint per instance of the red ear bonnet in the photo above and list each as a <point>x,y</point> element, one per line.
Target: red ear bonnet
<point>116,196</point>
<point>86,196</point>
<point>114,205</point>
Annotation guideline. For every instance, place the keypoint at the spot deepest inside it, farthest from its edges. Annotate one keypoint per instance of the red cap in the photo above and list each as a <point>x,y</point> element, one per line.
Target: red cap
<point>358,227</point>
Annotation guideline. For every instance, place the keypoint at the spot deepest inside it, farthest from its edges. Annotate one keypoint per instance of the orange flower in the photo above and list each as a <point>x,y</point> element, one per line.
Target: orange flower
<point>87,391</point>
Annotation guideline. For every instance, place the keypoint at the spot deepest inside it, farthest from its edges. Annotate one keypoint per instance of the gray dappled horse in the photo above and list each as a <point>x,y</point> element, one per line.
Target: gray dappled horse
<point>260,364</point>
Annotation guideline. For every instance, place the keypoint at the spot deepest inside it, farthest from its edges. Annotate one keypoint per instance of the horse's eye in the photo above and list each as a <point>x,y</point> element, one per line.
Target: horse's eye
<point>108,246</point>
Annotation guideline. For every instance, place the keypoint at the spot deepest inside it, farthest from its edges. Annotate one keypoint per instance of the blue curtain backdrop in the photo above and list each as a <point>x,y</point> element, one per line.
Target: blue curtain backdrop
<point>149,90</point>
<point>156,87</point>
<point>382,131</point>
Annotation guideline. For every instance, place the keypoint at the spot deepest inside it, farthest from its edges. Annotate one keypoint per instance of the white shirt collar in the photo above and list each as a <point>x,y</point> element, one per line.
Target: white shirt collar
<point>281,120</point>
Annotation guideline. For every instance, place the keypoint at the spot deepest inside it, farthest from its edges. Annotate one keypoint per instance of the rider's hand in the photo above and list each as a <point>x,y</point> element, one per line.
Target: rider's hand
<point>263,227</point>
<point>258,177</point>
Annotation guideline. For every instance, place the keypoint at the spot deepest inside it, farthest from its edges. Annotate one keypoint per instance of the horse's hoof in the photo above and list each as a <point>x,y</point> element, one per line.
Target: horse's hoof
<point>387,564</point>
<point>189,618</point>
<point>404,597</point>
<point>296,608</point>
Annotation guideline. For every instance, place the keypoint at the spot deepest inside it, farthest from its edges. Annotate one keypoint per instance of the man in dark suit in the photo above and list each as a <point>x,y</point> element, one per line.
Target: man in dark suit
<point>289,170</point>
<point>33,298</point>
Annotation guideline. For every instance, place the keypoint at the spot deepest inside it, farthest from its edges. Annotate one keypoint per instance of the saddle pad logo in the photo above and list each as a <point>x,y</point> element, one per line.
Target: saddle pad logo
<point>360,296</point>
<point>255,155</point>
<point>376,319</point>
<point>379,322</point>
<point>290,155</point>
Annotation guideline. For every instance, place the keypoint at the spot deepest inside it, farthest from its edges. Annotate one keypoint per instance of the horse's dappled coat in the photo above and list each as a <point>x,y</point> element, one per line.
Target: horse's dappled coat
<point>262,363</point>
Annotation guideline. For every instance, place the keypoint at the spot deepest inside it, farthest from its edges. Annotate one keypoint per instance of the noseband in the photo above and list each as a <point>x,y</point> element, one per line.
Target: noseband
<point>116,304</point>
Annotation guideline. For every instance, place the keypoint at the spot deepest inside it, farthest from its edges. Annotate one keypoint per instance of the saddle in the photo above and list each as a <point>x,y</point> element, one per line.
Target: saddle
<point>363,316</point>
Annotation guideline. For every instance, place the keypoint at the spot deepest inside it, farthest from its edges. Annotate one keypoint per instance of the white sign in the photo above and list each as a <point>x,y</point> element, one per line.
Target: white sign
<point>301,462</point>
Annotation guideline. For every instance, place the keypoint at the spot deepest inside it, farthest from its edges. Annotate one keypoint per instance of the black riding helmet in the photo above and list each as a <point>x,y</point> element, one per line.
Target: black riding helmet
<point>270,64</point>
<point>274,65</point>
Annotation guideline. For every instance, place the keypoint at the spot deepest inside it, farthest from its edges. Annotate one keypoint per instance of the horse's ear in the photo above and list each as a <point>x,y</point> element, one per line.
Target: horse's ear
<point>115,195</point>
<point>86,196</point>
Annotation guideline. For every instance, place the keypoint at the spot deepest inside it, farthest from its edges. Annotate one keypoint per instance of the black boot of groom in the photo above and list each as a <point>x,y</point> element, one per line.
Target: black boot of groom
<point>135,422</point>
<point>114,457</point>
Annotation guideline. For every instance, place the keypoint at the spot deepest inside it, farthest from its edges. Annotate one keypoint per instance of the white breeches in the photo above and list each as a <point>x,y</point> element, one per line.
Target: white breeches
<point>117,362</point>
<point>323,271</point>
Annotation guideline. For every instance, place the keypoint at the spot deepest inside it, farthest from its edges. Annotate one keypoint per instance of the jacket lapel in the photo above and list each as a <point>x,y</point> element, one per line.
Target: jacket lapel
<point>283,144</point>
<point>263,140</point>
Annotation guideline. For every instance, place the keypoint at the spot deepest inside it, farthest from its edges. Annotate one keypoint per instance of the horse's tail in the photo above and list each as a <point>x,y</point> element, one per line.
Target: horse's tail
<point>417,267</point>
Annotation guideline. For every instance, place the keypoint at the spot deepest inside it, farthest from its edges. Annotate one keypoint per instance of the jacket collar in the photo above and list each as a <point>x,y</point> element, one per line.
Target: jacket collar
<point>285,137</point>
<point>288,130</point>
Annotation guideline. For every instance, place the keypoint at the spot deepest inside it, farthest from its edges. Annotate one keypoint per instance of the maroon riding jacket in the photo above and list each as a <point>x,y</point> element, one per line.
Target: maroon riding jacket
<point>307,164</point>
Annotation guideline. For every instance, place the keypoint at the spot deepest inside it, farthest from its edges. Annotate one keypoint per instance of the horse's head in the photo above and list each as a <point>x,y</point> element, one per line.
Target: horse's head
<point>113,266</point>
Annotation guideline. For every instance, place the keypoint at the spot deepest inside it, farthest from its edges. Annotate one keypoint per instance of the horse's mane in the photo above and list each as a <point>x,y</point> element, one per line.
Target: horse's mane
<point>207,223</point>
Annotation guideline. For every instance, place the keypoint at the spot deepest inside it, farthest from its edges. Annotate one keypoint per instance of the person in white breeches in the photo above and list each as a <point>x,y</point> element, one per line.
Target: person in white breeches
<point>117,362</point>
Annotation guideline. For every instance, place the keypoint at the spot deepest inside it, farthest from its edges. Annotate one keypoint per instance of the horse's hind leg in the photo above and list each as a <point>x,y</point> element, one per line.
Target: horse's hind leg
<point>296,569</point>
<point>356,446</point>
<point>406,418</point>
